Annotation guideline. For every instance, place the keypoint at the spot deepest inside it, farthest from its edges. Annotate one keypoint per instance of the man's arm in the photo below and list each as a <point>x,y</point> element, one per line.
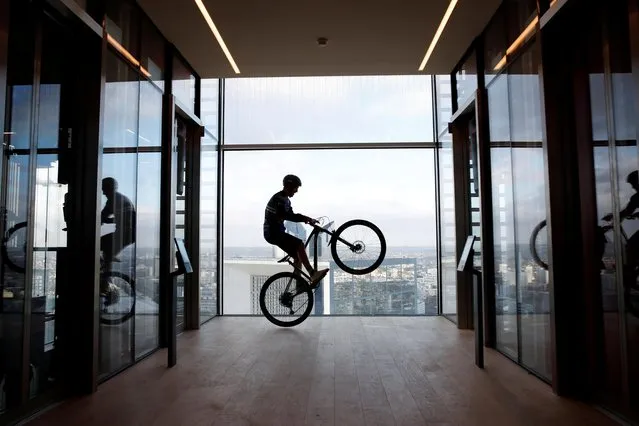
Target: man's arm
<point>288,214</point>
<point>106,212</point>
<point>633,205</point>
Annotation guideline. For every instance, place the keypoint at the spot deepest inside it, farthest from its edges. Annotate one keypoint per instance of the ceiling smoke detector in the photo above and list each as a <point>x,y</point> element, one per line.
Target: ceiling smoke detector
<point>322,41</point>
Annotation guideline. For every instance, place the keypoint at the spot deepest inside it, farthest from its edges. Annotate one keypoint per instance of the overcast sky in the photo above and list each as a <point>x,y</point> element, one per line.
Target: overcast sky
<point>395,189</point>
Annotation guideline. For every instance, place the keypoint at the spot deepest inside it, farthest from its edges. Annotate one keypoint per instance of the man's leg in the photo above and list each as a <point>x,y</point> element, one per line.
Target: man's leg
<point>294,247</point>
<point>106,245</point>
<point>316,276</point>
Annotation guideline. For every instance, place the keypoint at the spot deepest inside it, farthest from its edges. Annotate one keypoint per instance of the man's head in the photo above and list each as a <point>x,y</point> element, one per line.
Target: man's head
<point>109,187</point>
<point>633,180</point>
<point>291,184</point>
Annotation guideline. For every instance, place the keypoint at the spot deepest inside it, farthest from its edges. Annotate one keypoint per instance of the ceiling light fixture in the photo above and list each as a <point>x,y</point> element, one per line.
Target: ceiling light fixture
<point>438,34</point>
<point>217,35</point>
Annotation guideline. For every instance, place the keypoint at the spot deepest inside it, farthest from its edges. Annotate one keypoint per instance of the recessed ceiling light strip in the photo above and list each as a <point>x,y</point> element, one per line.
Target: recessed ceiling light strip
<point>438,34</point>
<point>217,35</point>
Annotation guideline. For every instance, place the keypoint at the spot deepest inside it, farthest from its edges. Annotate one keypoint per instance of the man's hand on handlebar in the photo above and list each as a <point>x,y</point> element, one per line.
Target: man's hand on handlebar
<point>311,221</point>
<point>608,217</point>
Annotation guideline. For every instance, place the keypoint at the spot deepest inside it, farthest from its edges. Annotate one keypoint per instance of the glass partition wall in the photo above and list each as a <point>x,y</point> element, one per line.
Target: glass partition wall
<point>446,197</point>
<point>499,76</point>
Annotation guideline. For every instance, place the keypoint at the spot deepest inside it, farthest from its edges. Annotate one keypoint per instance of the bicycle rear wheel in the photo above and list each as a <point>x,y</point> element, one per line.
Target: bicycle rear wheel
<point>118,305</point>
<point>14,247</point>
<point>286,299</point>
<point>368,251</point>
<point>533,244</point>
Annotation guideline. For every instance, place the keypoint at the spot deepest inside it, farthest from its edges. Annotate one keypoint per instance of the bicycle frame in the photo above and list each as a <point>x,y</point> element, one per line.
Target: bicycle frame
<point>316,231</point>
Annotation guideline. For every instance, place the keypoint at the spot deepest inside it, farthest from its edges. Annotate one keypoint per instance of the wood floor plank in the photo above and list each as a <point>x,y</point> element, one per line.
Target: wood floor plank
<point>327,371</point>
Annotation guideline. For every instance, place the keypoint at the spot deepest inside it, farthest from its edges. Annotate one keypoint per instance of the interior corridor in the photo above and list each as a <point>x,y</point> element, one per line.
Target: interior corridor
<point>327,371</point>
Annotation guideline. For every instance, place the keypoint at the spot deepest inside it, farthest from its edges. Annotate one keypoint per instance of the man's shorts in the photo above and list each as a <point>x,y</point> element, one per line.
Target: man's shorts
<point>286,242</point>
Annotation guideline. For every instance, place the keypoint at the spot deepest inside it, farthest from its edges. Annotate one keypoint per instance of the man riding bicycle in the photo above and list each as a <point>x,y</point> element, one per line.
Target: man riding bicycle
<point>632,244</point>
<point>120,211</point>
<point>278,209</point>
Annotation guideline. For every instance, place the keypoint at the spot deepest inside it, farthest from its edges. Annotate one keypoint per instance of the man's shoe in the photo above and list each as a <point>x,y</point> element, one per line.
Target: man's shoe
<point>317,277</point>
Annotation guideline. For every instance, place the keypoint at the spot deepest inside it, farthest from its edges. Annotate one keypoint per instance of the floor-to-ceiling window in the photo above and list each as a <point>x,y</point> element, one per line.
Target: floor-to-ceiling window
<point>325,130</point>
<point>522,300</point>
<point>209,199</point>
<point>447,248</point>
<point>130,231</point>
<point>614,107</point>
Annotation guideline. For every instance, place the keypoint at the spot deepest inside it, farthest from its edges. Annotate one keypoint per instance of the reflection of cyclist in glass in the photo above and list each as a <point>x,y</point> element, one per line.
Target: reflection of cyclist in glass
<point>632,247</point>
<point>120,211</point>
<point>278,209</point>
<point>632,244</point>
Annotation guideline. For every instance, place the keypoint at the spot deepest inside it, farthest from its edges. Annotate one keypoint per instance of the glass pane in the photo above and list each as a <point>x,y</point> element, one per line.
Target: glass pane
<point>328,110</point>
<point>473,191</point>
<point>612,387</point>
<point>519,14</point>
<point>210,105</point>
<point>624,109</point>
<point>405,284</point>
<point>503,218</point>
<point>183,137</point>
<point>466,79</point>
<point>183,84</point>
<point>16,202</point>
<point>147,274</point>
<point>13,276</point>
<point>444,102</point>
<point>152,53</point>
<point>50,259</point>
<point>208,228</point>
<point>118,231</point>
<point>447,215</point>
<point>495,43</point>
<point>121,110</point>
<point>529,200</point>
<point>122,23</point>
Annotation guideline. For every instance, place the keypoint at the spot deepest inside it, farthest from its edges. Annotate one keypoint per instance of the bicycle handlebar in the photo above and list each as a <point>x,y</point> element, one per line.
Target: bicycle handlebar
<point>633,216</point>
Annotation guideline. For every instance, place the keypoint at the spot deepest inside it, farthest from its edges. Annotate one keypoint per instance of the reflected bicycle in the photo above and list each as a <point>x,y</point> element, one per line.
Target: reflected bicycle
<point>116,306</point>
<point>630,271</point>
<point>287,298</point>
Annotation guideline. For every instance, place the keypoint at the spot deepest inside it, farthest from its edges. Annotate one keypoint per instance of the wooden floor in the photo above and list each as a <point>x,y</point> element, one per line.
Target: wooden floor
<point>328,371</point>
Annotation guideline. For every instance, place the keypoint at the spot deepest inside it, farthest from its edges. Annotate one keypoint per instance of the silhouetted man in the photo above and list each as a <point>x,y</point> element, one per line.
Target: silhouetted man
<point>120,211</point>
<point>628,212</point>
<point>632,245</point>
<point>278,209</point>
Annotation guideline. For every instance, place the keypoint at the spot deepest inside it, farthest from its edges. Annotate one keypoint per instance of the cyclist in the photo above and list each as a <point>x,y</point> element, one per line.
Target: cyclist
<point>632,245</point>
<point>118,210</point>
<point>278,209</point>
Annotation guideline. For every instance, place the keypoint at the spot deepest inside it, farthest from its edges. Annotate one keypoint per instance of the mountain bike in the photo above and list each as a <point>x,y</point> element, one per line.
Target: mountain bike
<point>630,269</point>
<point>116,306</point>
<point>287,298</point>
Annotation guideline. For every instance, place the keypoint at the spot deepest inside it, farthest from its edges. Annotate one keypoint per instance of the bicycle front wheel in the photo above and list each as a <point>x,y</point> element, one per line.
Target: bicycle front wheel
<point>533,244</point>
<point>14,247</point>
<point>358,247</point>
<point>286,299</point>
<point>117,305</point>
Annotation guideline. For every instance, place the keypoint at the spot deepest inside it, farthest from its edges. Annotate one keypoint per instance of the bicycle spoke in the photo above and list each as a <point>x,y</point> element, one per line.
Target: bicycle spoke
<point>286,299</point>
